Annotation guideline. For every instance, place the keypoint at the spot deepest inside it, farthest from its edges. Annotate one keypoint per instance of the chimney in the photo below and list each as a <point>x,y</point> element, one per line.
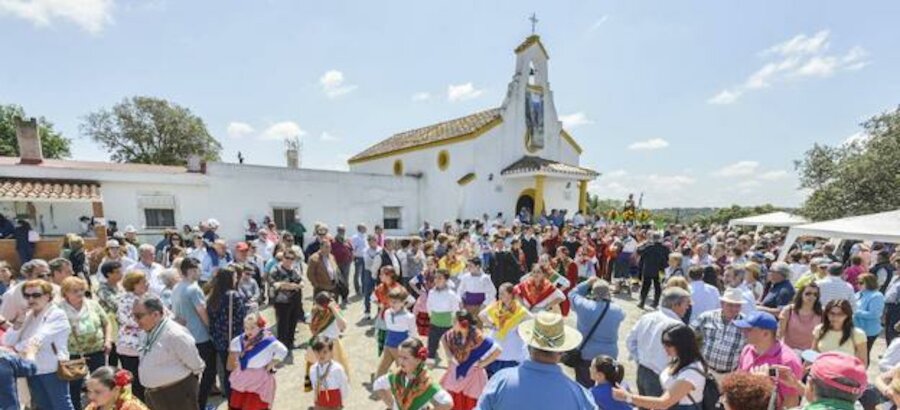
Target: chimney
<point>292,152</point>
<point>29,141</point>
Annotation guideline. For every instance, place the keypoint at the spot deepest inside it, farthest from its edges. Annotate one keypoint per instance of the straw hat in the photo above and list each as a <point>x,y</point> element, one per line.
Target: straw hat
<point>733,295</point>
<point>547,332</point>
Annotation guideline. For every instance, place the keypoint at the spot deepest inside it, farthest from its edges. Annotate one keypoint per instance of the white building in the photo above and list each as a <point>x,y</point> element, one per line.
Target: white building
<point>498,160</point>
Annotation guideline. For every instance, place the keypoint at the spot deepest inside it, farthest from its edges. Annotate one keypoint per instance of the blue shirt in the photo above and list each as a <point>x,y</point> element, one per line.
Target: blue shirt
<point>186,298</point>
<point>605,339</point>
<point>868,310</point>
<point>780,294</point>
<point>12,367</point>
<point>534,386</point>
<point>604,398</point>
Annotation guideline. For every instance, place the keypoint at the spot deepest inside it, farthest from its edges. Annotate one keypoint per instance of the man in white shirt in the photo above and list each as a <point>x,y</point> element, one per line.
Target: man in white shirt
<point>834,287</point>
<point>151,269</point>
<point>359,244</point>
<point>371,263</point>
<point>644,342</point>
<point>704,297</point>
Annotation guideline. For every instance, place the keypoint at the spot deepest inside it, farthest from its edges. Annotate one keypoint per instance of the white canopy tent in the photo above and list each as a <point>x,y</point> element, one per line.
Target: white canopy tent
<point>880,227</point>
<point>771,219</point>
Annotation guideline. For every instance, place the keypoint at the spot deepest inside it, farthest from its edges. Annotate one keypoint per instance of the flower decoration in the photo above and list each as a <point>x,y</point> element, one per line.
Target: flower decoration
<point>123,378</point>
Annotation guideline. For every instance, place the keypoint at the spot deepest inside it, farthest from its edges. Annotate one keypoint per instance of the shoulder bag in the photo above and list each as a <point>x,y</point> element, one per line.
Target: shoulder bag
<point>572,358</point>
<point>70,370</point>
<point>231,363</point>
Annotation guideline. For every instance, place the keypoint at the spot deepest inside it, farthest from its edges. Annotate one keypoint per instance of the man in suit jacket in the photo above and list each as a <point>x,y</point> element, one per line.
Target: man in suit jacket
<point>322,268</point>
<point>654,258</point>
<point>530,247</point>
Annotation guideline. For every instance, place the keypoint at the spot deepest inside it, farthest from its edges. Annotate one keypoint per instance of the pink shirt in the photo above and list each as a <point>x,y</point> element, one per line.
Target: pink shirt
<point>778,354</point>
<point>851,275</point>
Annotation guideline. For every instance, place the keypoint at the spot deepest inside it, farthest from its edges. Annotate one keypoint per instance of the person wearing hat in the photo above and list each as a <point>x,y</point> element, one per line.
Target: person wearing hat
<point>780,292</point>
<point>539,378</point>
<point>817,271</point>
<point>836,381</point>
<point>591,302</point>
<point>722,340</point>
<point>763,348</point>
<point>113,252</point>
<point>834,286</point>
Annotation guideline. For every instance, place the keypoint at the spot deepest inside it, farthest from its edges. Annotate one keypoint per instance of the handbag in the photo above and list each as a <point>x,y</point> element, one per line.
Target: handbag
<point>231,363</point>
<point>572,358</point>
<point>70,370</point>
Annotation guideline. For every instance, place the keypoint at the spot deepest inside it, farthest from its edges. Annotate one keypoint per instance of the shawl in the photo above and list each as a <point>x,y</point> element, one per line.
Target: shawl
<point>252,347</point>
<point>534,294</point>
<point>415,393</point>
<point>466,349</point>
<point>322,317</point>
<point>381,294</point>
<point>505,319</point>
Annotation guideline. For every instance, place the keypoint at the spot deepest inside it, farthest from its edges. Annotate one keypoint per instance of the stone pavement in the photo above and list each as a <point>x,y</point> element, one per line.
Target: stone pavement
<point>359,342</point>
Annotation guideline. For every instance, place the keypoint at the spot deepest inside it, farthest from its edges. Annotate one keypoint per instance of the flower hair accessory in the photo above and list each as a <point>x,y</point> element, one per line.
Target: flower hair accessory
<point>464,323</point>
<point>261,322</point>
<point>123,378</point>
<point>422,353</point>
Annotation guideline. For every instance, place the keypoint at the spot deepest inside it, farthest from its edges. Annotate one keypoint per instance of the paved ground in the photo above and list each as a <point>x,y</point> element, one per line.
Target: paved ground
<point>360,344</point>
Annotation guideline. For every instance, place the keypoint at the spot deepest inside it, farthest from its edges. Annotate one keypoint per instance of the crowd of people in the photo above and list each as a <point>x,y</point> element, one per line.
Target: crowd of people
<point>166,325</point>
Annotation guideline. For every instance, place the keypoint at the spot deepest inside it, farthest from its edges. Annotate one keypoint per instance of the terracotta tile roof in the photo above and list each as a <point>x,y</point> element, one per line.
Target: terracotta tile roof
<point>49,189</point>
<point>531,163</point>
<point>98,166</point>
<point>436,133</point>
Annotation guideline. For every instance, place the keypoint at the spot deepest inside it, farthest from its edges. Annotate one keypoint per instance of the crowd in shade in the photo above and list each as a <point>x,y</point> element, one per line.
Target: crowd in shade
<point>476,314</point>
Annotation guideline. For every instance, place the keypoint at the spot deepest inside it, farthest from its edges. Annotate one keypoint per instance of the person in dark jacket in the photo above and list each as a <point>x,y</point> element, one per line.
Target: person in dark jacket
<point>24,245</point>
<point>504,267</point>
<point>78,259</point>
<point>530,247</point>
<point>654,257</point>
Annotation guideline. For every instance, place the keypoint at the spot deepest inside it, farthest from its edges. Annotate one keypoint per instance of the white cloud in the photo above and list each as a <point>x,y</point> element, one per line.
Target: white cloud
<point>799,57</point>
<point>617,173</point>
<point>333,84</point>
<point>90,15</point>
<point>462,92</point>
<point>651,144</point>
<point>740,168</point>
<point>327,137</point>
<point>239,129</point>
<point>575,120</point>
<point>773,175</point>
<point>282,130</point>
<point>598,23</point>
<point>421,96</point>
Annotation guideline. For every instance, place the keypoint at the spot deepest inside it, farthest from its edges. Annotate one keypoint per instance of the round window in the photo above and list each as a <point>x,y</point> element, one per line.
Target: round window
<point>398,167</point>
<point>443,160</point>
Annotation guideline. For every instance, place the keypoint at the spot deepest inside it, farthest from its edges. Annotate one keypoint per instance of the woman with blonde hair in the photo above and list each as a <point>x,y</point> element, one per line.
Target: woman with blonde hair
<point>128,341</point>
<point>92,333</point>
<point>751,279</point>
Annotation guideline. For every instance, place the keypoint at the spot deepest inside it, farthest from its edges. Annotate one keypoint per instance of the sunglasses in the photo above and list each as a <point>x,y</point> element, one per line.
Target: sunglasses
<point>33,295</point>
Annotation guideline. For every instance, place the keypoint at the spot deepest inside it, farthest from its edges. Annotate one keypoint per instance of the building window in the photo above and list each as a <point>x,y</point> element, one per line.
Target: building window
<point>283,216</point>
<point>398,167</point>
<point>159,218</point>
<point>443,160</point>
<point>392,217</point>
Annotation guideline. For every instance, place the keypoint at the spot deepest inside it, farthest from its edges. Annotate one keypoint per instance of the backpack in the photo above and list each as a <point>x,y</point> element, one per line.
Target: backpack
<point>711,392</point>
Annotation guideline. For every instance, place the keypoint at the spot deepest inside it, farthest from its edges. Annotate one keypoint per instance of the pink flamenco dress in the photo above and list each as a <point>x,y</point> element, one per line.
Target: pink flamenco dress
<point>463,380</point>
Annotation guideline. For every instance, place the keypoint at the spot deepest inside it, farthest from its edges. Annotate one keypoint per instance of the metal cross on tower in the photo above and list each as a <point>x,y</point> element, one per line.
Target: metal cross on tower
<point>534,22</point>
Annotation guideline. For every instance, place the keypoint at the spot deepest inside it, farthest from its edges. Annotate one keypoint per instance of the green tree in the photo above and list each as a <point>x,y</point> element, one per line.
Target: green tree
<point>151,131</point>
<point>854,178</point>
<point>602,206</point>
<point>53,144</point>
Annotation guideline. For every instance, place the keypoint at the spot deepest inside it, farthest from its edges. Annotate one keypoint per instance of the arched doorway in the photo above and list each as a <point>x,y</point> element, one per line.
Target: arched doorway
<point>526,199</point>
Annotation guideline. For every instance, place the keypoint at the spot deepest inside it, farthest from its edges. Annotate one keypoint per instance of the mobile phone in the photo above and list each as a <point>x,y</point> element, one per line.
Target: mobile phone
<point>773,372</point>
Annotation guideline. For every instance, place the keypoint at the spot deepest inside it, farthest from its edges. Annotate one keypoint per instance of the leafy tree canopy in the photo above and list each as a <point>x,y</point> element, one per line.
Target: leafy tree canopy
<point>151,131</point>
<point>856,178</point>
<point>53,144</point>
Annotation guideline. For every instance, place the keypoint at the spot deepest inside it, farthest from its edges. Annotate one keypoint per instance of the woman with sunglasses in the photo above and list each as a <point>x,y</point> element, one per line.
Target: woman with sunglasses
<point>869,308</point>
<point>683,380</point>
<point>837,333</point>
<point>797,320</point>
<point>92,333</point>
<point>45,325</point>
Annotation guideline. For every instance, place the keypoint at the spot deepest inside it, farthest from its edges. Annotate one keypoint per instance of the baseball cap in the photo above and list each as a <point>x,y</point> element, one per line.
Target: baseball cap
<point>760,320</point>
<point>829,367</point>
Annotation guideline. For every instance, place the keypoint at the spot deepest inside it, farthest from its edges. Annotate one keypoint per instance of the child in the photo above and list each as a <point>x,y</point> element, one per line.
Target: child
<point>443,303</point>
<point>607,374</point>
<point>327,322</point>
<point>421,284</point>
<point>249,288</point>
<point>470,353</point>
<point>329,379</point>
<point>503,317</point>
<point>389,281</point>
<point>410,387</point>
<point>400,325</point>
<point>476,289</point>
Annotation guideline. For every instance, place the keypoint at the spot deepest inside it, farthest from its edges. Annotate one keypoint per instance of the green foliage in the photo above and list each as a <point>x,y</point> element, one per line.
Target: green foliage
<point>151,131</point>
<point>602,206</point>
<point>857,178</point>
<point>723,215</point>
<point>53,144</point>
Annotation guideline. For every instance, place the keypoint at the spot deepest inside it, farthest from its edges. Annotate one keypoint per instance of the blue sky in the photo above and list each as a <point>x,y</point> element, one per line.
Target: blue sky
<point>692,103</point>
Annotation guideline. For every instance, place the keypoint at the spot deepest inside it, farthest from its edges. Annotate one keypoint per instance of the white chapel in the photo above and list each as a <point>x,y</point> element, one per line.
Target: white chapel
<point>497,160</point>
